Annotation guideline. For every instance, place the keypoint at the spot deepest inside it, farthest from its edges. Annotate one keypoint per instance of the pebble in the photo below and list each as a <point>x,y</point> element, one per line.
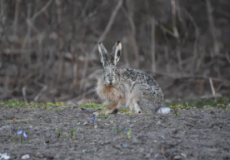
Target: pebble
<point>135,140</point>
<point>163,110</point>
<point>159,122</point>
<point>141,150</point>
<point>38,154</point>
<point>183,155</point>
<point>26,156</point>
<point>125,145</point>
<point>177,157</point>
<point>85,123</point>
<point>95,126</point>
<point>4,156</point>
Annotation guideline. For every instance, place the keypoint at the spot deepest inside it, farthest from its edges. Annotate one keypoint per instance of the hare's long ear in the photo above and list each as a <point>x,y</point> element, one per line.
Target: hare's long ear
<point>116,53</point>
<point>103,53</point>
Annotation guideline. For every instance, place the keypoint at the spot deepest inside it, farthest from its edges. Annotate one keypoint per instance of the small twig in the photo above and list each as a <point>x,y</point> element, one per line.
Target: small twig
<point>212,87</point>
<point>39,94</point>
<point>167,31</point>
<point>42,10</point>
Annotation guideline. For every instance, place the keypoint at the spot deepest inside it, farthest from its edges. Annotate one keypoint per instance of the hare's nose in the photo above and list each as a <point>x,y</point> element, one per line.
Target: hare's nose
<point>111,81</point>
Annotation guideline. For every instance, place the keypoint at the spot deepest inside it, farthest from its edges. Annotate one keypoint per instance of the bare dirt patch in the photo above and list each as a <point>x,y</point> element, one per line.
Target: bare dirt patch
<point>193,134</point>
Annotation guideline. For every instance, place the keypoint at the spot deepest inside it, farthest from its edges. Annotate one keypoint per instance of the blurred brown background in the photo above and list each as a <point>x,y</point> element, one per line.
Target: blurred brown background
<point>48,48</point>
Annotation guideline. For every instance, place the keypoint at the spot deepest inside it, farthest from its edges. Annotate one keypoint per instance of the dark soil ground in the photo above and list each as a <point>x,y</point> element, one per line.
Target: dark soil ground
<point>191,134</point>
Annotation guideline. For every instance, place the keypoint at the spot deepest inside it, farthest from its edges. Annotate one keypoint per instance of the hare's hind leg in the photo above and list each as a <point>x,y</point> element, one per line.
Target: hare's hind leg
<point>109,109</point>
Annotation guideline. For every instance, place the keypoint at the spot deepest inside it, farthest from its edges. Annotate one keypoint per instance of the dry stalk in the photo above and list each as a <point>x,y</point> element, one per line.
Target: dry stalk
<point>85,69</point>
<point>24,94</point>
<point>176,33</point>
<point>75,72</point>
<point>25,58</point>
<point>212,27</point>
<point>212,87</point>
<point>129,14</point>
<point>197,32</point>
<point>36,98</point>
<point>15,24</point>
<point>153,48</point>
<point>124,40</point>
<point>227,57</point>
<point>59,11</point>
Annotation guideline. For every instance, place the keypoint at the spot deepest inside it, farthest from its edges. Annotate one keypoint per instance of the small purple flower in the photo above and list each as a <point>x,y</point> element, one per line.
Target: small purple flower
<point>25,135</point>
<point>127,129</point>
<point>93,120</point>
<point>19,132</point>
<point>72,127</point>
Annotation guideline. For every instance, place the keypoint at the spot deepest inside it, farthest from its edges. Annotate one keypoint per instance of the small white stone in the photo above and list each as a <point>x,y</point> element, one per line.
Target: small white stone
<point>4,156</point>
<point>26,156</point>
<point>163,110</point>
<point>159,122</point>
<point>183,155</point>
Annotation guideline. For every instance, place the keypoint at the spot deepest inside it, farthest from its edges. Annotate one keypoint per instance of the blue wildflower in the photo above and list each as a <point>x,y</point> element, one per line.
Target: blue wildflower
<point>72,127</point>
<point>93,120</point>
<point>21,132</point>
<point>127,129</point>
<point>25,135</point>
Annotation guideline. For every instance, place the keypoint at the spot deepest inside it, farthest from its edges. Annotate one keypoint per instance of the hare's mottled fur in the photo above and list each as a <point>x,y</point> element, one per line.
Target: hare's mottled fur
<point>134,88</point>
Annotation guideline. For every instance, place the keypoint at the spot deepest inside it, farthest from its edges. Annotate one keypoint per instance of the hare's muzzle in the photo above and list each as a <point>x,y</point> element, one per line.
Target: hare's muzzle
<point>109,80</point>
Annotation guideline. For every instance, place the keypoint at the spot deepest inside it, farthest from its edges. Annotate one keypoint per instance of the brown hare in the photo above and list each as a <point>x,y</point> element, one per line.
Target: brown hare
<point>134,88</point>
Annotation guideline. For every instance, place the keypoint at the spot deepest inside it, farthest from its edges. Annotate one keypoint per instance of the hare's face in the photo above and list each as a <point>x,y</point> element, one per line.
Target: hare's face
<point>109,62</point>
<point>110,77</point>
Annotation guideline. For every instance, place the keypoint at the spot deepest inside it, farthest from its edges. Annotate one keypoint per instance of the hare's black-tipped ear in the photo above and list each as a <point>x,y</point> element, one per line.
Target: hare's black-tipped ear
<point>116,54</point>
<point>103,53</point>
